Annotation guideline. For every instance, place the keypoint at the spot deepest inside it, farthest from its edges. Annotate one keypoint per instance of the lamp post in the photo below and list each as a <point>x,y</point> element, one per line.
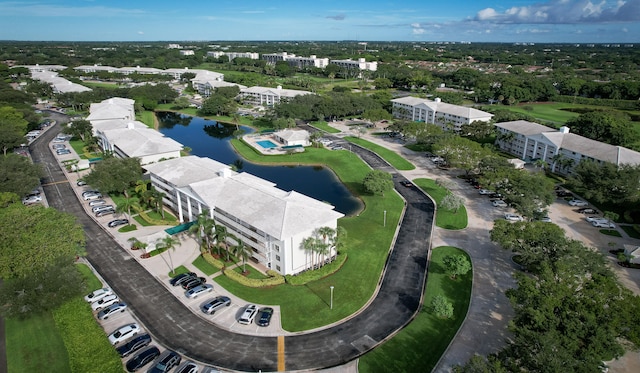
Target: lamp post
<point>384,222</point>
<point>331,303</point>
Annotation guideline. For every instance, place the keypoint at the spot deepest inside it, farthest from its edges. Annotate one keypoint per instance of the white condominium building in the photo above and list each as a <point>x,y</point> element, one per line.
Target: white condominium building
<point>560,149</point>
<point>445,115</point>
<point>269,96</point>
<point>271,221</point>
<point>360,64</point>
<point>233,55</point>
<point>307,62</point>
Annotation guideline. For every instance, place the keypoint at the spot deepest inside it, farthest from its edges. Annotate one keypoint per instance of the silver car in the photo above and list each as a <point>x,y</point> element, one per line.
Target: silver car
<point>102,208</point>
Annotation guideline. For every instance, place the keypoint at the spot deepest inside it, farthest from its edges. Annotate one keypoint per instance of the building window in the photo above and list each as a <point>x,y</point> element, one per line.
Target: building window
<point>276,248</point>
<point>278,268</point>
<point>278,257</point>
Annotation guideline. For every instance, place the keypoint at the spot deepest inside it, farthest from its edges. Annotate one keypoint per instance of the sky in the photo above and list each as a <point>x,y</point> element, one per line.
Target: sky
<point>572,21</point>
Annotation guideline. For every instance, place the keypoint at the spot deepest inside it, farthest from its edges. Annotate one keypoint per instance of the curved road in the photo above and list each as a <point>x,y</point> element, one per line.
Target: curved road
<point>176,327</point>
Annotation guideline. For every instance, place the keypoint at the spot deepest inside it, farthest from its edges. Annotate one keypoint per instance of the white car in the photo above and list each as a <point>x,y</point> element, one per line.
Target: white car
<point>248,315</point>
<point>485,191</point>
<point>104,302</point>
<point>513,217</point>
<point>32,199</point>
<point>591,219</point>
<point>200,289</point>
<point>123,333</point>
<point>499,203</point>
<point>106,312</point>
<point>89,197</point>
<point>603,224</point>
<point>577,202</point>
<point>97,295</point>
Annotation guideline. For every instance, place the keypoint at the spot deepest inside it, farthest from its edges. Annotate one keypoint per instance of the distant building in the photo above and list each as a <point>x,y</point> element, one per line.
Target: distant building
<point>269,96</point>
<point>560,149</point>
<point>359,64</point>
<point>272,58</point>
<point>307,62</point>
<point>59,84</point>
<point>271,221</point>
<point>233,55</point>
<point>187,52</point>
<point>437,112</point>
<point>206,82</point>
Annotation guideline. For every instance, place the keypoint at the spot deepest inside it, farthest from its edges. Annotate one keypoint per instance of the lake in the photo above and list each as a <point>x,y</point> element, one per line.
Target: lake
<point>208,138</point>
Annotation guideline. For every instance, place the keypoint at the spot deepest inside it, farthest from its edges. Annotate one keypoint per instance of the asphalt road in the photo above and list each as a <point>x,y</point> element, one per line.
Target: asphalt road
<point>173,325</point>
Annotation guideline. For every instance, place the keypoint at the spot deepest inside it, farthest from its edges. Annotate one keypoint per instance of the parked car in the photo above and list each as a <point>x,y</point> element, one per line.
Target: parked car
<point>31,199</point>
<point>176,280</point>
<point>134,345</point>
<point>97,202</point>
<point>81,182</point>
<point>513,217</point>
<point>123,333</point>
<point>63,151</point>
<point>545,219</point>
<point>407,183</point>
<point>563,193</point>
<point>211,306</point>
<point>104,302</point>
<point>485,191</point>
<point>265,316</point>
<point>110,310</point>
<point>58,146</point>
<point>248,315</point>
<point>210,370</point>
<point>97,294</point>
<point>577,202</point>
<point>591,219</point>
<point>187,367</point>
<point>603,224</point>
<point>102,208</point>
<point>167,360</point>
<point>89,197</point>
<point>142,358</point>
<point>586,210</point>
<point>496,196</point>
<point>105,213</point>
<point>499,203</point>
<point>192,283</point>
<point>200,289</point>
<point>117,223</point>
<point>86,192</point>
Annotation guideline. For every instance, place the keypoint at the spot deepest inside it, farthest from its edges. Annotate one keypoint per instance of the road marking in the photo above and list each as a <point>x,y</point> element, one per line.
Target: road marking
<point>281,353</point>
<point>56,182</point>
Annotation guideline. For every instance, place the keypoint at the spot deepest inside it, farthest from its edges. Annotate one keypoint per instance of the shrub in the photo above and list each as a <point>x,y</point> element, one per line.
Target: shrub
<point>442,307</point>
<point>326,270</point>
<point>213,261</point>
<point>253,282</point>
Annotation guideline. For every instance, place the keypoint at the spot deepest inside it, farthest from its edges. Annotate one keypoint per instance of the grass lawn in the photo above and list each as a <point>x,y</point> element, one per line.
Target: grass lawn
<point>78,147</point>
<point>141,221</point>
<point>253,273</point>
<point>35,345</point>
<point>444,218</point>
<point>630,231</point>
<point>390,156</point>
<point>147,117</point>
<point>101,85</point>
<point>128,228</point>
<point>325,127</point>
<point>367,247</point>
<point>204,266</point>
<point>418,347</point>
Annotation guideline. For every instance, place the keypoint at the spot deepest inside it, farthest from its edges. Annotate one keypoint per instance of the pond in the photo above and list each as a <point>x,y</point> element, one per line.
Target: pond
<point>208,138</point>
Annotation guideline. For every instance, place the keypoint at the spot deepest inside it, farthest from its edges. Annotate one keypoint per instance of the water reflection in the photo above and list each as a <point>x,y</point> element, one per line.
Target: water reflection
<point>207,138</point>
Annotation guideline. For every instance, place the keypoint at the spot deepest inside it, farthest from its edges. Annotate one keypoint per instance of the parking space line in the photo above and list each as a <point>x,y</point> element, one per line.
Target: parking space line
<point>281,353</point>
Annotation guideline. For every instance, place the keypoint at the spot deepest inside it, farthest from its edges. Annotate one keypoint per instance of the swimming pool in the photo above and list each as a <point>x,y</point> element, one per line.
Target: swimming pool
<point>267,144</point>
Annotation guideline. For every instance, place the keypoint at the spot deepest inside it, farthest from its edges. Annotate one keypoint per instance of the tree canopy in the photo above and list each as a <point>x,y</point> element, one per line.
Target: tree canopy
<point>378,182</point>
<point>115,174</point>
<point>608,126</point>
<point>18,175</point>
<point>13,128</point>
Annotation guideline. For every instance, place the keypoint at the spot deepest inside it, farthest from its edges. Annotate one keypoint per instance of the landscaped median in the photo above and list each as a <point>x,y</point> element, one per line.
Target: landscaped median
<point>393,158</point>
<point>419,346</point>
<point>444,218</point>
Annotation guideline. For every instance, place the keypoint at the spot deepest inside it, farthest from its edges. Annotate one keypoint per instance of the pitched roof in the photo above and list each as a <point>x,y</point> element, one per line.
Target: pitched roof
<point>293,135</point>
<point>141,142</point>
<point>443,107</point>
<point>524,127</point>
<point>275,91</point>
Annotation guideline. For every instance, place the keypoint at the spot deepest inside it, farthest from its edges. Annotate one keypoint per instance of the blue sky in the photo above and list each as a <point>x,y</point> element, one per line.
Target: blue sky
<point>576,21</point>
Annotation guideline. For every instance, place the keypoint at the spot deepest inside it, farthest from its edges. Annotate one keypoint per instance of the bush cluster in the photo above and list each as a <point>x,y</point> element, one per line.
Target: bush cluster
<point>274,280</point>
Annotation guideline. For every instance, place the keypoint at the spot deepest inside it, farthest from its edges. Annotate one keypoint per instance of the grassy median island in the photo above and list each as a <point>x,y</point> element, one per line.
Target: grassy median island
<point>368,244</point>
<point>444,218</point>
<point>390,156</point>
<point>418,347</point>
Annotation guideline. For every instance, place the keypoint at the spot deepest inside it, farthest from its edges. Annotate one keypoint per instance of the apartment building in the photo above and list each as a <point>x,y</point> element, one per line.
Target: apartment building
<point>271,221</point>
<point>445,115</point>
<point>359,64</point>
<point>269,96</point>
<point>233,55</point>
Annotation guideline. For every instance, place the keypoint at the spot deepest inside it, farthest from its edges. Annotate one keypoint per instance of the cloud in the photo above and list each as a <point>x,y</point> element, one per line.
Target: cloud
<point>140,32</point>
<point>35,9</point>
<point>565,12</point>
<point>337,17</point>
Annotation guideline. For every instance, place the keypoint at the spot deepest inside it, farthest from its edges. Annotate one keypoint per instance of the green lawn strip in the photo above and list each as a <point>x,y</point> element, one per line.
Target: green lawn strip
<point>35,345</point>
<point>444,218</point>
<point>147,117</point>
<point>325,127</point>
<point>141,221</point>
<point>128,228</point>
<point>93,283</point>
<point>611,232</point>
<point>204,266</point>
<point>179,270</point>
<point>418,347</point>
<point>631,231</point>
<point>101,85</point>
<point>367,247</point>
<point>252,272</point>
<point>388,155</point>
<point>78,147</point>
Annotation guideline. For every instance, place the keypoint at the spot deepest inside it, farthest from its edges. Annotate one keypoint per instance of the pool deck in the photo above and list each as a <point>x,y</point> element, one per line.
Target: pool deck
<point>253,138</point>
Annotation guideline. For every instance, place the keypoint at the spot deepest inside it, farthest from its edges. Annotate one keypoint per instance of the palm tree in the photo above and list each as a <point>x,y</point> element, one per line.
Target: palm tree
<point>157,197</point>
<point>168,243</point>
<point>136,244</point>
<point>126,204</point>
<point>309,245</point>
<point>203,229</point>
<point>221,237</point>
<point>142,186</point>
<point>326,233</point>
<point>243,252</point>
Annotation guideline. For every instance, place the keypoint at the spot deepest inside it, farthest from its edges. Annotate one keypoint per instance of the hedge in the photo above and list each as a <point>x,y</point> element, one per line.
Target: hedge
<point>86,343</point>
<point>274,277</point>
<point>324,271</point>
<point>213,261</point>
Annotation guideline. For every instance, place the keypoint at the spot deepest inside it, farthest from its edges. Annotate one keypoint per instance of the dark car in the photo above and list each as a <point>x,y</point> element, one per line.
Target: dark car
<point>118,222</point>
<point>563,193</point>
<point>142,358</point>
<point>264,316</point>
<point>167,360</point>
<point>195,281</point>
<point>406,183</point>
<point>216,303</point>
<point>586,210</point>
<point>177,280</point>
<point>134,345</point>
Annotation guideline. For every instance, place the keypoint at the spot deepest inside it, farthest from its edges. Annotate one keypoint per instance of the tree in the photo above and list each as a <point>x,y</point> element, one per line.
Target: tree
<point>460,152</point>
<point>203,228</point>
<point>181,102</point>
<point>156,198</point>
<point>13,127</point>
<point>168,244</point>
<point>456,265</point>
<point>382,83</point>
<point>18,175</point>
<point>221,238</point>
<point>478,364</point>
<point>115,174</point>
<point>126,204</point>
<point>378,182</point>
<point>442,307</point>
<point>308,244</point>
<point>452,202</point>
<point>81,129</point>
<point>606,183</point>
<point>35,238</point>
<point>611,127</point>
<point>243,252</point>
<point>528,193</point>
